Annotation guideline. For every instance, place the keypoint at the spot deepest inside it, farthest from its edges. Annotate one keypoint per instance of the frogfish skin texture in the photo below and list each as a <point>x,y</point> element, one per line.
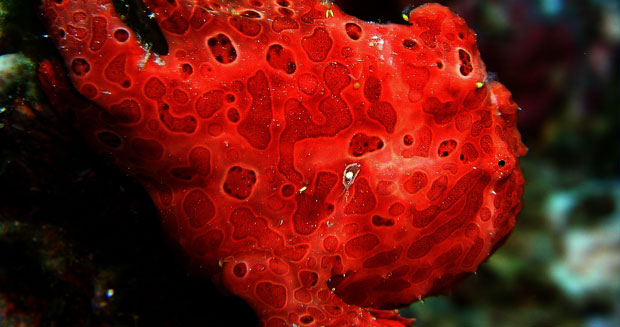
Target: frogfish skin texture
<point>325,169</point>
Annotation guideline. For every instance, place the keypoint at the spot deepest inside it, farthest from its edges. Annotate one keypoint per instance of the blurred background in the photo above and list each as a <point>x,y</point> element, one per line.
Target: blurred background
<point>79,244</point>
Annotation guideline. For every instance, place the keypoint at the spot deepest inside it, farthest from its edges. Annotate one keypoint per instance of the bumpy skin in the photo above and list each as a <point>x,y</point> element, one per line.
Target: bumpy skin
<point>325,169</point>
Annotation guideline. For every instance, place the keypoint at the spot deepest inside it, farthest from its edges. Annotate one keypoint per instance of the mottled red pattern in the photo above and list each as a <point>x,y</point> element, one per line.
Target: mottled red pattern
<point>325,169</point>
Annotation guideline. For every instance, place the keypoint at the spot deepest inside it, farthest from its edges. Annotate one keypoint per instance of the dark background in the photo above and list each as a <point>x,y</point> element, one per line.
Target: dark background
<point>73,228</point>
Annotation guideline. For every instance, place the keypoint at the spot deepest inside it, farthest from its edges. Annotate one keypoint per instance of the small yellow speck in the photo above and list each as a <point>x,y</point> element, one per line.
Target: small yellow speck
<point>222,261</point>
<point>329,12</point>
<point>479,84</point>
<point>234,12</point>
<point>357,85</point>
<point>406,17</point>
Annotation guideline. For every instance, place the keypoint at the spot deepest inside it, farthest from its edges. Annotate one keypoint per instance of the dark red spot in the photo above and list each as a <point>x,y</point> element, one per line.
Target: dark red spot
<point>307,83</point>
<point>198,208</point>
<point>422,218</point>
<point>359,246</point>
<point>89,91</point>
<point>409,44</point>
<point>281,58</point>
<point>446,147</point>
<point>245,26</point>
<point>209,103</point>
<point>408,140</point>
<point>200,17</point>
<point>383,258</point>
<point>233,115</point>
<point>250,14</point>
<point>353,30</point>
<point>311,15</point>
<point>486,143</point>
<point>442,112</point>
<point>175,24</point>
<point>240,270</point>
<point>99,32</point>
<point>384,113</point>
<point>463,121</point>
<point>361,144</point>
<point>186,124</point>
<point>308,278</point>
<point>115,71</point>
<point>420,247</point>
<point>187,69</point>
<point>437,188</point>
<point>183,173</point>
<point>295,253</point>
<point>77,32</point>
<point>372,89</point>
<point>222,49</point>
<point>80,66</point>
<point>475,98</point>
<point>255,125</point>
<point>239,182</point>
<point>466,66</point>
<point>468,153</point>
<point>421,274</point>
<point>473,253</point>
<point>286,12</point>
<point>246,225</point>
<point>317,45</point>
<point>272,294</point>
<point>396,209</point>
<point>127,112</point>
<point>336,77</point>
<point>380,221</point>
<point>282,23</point>
<point>449,257</point>
<point>416,182</point>
<point>424,137</point>
<point>306,319</point>
<point>287,190</point>
<point>429,24</point>
<point>417,78</point>
<point>154,88</point>
<point>330,243</point>
<point>180,96</point>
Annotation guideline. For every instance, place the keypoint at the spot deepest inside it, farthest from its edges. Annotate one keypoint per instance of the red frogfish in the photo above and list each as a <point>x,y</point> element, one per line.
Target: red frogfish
<point>324,169</point>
